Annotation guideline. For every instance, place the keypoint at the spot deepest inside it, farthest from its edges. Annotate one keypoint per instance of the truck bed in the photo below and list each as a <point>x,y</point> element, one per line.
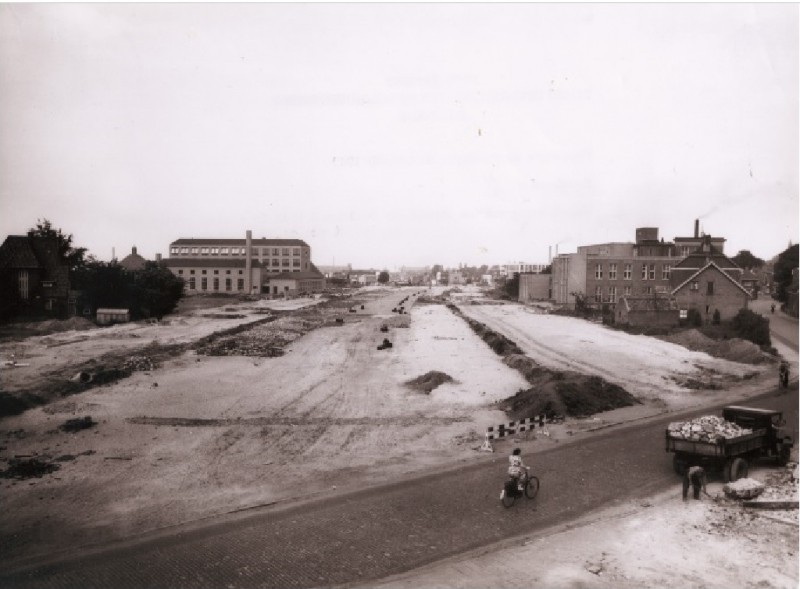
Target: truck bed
<point>723,448</point>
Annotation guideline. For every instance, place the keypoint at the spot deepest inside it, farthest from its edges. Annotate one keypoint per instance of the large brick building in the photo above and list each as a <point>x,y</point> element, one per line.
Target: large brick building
<point>275,267</point>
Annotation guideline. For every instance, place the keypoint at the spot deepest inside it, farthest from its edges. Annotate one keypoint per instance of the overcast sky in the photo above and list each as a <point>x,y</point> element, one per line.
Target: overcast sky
<point>400,134</point>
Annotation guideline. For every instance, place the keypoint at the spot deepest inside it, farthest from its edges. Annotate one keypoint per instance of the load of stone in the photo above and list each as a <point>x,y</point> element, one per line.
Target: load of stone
<point>743,489</point>
<point>708,428</point>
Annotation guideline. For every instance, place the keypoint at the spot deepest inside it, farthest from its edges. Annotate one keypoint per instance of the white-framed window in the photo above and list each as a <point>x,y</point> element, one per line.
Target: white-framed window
<point>612,294</point>
<point>204,251</point>
<point>694,285</point>
<point>612,271</point>
<point>216,284</point>
<point>644,271</point>
<point>184,250</point>
<point>665,269</point>
<point>651,272</point>
<point>194,250</point>
<point>648,290</point>
<point>174,250</point>
<point>684,313</point>
<point>598,271</point>
<point>191,283</point>
<point>627,272</point>
<point>627,291</point>
<point>204,283</point>
<point>285,252</point>
<point>598,294</point>
<point>295,251</point>
<point>224,251</point>
<point>214,251</point>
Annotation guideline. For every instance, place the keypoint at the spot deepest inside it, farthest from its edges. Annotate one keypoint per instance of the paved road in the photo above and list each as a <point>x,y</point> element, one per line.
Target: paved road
<point>783,327</point>
<point>379,532</point>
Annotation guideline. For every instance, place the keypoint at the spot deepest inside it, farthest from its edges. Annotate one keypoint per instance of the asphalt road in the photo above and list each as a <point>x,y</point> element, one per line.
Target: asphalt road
<point>378,532</point>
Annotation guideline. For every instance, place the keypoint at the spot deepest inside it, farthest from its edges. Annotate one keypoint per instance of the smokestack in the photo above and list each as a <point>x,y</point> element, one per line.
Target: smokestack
<point>248,263</point>
<point>549,254</point>
<point>697,228</point>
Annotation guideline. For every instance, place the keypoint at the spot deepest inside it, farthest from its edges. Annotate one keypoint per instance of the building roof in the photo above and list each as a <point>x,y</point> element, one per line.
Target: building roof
<point>133,261</point>
<point>240,242</point>
<point>653,302</point>
<point>17,252</point>
<point>308,275</point>
<point>707,267</point>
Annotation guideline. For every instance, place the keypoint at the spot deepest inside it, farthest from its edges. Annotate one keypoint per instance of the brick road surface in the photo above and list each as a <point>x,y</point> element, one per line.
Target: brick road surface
<point>378,532</point>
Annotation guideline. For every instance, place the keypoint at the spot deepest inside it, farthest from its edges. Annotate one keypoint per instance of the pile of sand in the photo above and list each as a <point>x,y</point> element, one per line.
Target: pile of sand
<point>429,381</point>
<point>735,350</point>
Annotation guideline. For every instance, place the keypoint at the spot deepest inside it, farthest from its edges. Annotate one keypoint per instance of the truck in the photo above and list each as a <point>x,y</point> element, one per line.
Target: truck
<point>762,437</point>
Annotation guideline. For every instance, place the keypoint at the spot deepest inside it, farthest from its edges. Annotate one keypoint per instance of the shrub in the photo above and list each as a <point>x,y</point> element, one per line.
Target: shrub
<point>694,318</point>
<point>752,327</point>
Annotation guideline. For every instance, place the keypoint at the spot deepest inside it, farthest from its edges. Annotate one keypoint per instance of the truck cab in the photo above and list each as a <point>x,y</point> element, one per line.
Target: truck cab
<point>778,444</point>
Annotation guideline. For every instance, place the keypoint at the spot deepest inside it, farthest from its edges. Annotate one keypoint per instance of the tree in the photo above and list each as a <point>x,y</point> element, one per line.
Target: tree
<point>73,257</point>
<point>752,327</point>
<point>744,259</point>
<point>511,287</point>
<point>787,261</point>
<point>383,277</point>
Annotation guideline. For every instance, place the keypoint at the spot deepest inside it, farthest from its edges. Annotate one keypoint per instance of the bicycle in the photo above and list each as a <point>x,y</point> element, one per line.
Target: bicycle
<point>510,493</point>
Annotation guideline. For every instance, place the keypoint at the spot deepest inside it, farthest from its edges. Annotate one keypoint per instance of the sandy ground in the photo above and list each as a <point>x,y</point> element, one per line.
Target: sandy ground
<point>202,436</point>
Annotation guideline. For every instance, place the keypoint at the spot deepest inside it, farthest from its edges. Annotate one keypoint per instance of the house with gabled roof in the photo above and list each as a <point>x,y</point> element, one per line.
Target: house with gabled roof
<point>34,277</point>
<point>709,289</point>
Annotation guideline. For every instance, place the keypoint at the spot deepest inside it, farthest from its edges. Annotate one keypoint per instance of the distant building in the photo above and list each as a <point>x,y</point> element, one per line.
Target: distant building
<point>34,277</point>
<point>274,267</point>
<point>509,270</point>
<point>133,261</point>
<point>534,287</point>
<point>603,273</point>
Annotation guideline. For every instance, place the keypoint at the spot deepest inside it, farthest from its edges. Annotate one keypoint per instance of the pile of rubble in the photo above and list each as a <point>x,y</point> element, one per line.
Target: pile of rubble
<point>143,363</point>
<point>26,468</point>
<point>708,428</point>
<point>743,489</point>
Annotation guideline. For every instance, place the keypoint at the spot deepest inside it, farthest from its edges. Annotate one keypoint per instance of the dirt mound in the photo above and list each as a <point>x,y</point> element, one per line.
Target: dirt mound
<point>568,393</point>
<point>26,468</point>
<point>500,344</point>
<point>735,350</point>
<point>429,381</point>
<point>565,393</point>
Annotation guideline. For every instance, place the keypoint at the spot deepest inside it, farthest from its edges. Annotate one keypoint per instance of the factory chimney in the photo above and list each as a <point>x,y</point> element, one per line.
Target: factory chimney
<point>248,263</point>
<point>697,228</point>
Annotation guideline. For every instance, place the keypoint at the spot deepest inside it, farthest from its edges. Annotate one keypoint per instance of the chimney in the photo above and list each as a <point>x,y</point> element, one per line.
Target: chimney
<point>158,257</point>
<point>248,263</point>
<point>133,250</point>
<point>697,228</point>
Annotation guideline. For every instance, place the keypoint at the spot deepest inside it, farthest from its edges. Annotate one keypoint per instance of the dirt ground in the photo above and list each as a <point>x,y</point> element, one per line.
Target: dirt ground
<point>201,435</point>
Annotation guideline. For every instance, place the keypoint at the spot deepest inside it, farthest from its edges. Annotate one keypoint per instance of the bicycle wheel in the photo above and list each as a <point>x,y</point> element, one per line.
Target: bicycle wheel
<point>508,500</point>
<point>532,487</point>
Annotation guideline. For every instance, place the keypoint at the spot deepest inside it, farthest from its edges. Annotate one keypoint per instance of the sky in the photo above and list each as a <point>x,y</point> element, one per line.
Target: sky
<point>411,134</point>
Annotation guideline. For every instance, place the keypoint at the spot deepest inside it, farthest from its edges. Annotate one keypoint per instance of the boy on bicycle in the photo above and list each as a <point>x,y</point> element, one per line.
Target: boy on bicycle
<point>517,468</point>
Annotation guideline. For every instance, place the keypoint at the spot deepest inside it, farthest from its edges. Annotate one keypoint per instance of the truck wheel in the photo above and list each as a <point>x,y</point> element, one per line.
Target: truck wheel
<point>679,464</point>
<point>738,469</point>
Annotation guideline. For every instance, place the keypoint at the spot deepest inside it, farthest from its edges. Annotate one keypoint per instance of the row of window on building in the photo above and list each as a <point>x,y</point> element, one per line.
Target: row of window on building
<point>648,271</point>
<point>191,284</point>
<point>612,292</point>
<point>234,251</point>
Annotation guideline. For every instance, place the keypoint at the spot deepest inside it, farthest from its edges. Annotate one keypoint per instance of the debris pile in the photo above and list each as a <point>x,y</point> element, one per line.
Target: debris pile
<point>743,489</point>
<point>143,363</point>
<point>708,428</point>
<point>78,424</point>
<point>429,381</point>
<point>26,468</point>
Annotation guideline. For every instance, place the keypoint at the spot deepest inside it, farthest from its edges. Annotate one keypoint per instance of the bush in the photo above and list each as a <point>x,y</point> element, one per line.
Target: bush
<point>752,327</point>
<point>694,318</point>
